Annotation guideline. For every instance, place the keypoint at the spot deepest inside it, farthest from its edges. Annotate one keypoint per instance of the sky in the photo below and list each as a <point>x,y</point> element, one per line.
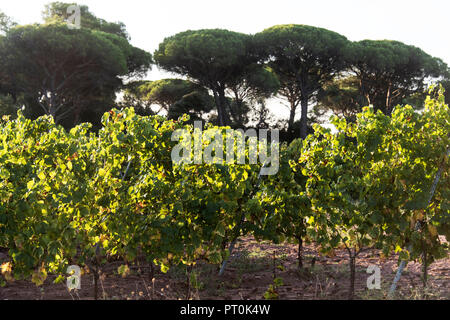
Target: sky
<point>425,24</point>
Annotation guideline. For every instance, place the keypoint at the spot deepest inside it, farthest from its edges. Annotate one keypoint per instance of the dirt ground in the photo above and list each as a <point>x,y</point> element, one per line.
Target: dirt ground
<point>249,276</point>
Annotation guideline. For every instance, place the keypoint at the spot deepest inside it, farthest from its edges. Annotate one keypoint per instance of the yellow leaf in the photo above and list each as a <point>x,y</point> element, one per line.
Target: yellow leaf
<point>39,276</point>
<point>164,268</point>
<point>123,270</point>
<point>6,267</point>
<point>85,270</point>
<point>30,184</point>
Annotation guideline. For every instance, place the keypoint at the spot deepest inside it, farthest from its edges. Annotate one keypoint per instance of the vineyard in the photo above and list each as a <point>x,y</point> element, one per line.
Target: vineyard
<point>89,198</point>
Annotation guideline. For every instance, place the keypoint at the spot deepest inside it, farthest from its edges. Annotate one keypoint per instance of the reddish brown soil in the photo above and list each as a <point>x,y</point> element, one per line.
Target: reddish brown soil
<point>248,276</point>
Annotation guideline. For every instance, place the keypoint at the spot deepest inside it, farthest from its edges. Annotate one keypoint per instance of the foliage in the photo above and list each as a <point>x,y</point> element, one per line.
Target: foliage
<point>57,11</point>
<point>67,73</point>
<point>6,23</point>
<point>218,60</point>
<point>369,183</point>
<point>342,97</point>
<point>391,71</point>
<point>77,197</point>
<point>72,196</point>
<point>174,96</point>
<point>304,58</point>
<point>7,105</point>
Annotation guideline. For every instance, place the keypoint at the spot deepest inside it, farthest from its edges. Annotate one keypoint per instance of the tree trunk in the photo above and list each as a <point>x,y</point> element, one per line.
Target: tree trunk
<point>76,116</point>
<point>188,281</point>
<point>52,107</point>
<point>223,106</point>
<point>300,252</point>
<point>424,267</point>
<point>151,274</point>
<point>236,114</point>
<point>220,100</point>
<point>304,118</point>
<point>219,109</point>
<point>291,120</point>
<point>351,292</point>
<point>96,276</point>
<point>368,99</point>
<point>388,110</point>
<point>425,273</point>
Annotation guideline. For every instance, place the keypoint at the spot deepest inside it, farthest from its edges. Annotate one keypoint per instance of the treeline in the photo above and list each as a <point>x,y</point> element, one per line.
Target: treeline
<point>75,75</point>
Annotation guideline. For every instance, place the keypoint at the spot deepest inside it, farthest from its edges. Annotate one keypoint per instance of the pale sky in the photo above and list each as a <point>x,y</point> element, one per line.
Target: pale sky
<point>425,24</point>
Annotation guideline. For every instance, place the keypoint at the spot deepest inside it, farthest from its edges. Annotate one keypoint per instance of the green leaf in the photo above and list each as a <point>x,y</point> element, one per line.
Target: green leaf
<point>30,184</point>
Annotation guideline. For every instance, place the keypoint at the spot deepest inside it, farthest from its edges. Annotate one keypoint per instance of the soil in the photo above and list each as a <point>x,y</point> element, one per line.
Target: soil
<point>251,271</point>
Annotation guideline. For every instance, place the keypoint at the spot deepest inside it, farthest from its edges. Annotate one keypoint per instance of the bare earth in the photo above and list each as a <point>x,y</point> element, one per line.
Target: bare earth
<point>251,270</point>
